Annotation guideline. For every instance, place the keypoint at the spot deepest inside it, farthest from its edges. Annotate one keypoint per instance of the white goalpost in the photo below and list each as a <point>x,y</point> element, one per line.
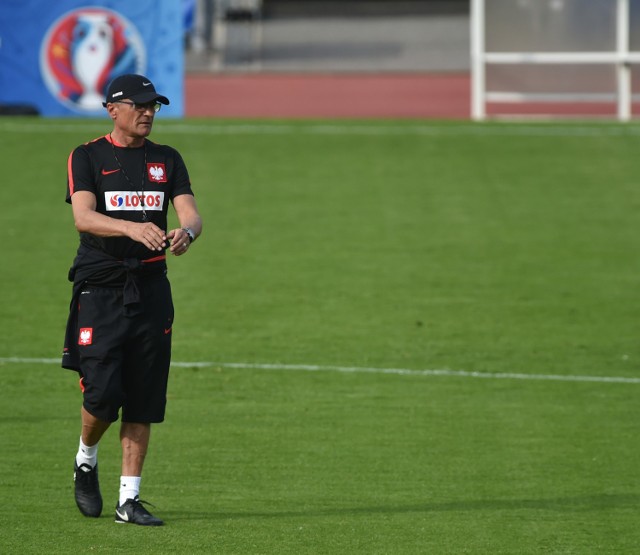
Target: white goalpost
<point>517,55</point>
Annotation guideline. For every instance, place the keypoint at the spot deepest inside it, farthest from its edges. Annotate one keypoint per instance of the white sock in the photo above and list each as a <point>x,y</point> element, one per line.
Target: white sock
<point>129,488</point>
<point>87,455</point>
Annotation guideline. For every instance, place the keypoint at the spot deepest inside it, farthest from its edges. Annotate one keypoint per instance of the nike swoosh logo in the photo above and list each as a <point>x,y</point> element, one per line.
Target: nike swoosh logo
<point>107,172</point>
<point>146,84</point>
<point>167,331</point>
<point>124,516</point>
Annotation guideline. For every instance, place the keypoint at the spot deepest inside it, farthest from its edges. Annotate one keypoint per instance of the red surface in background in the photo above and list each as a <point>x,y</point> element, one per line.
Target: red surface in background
<point>402,95</point>
<point>607,110</point>
<point>328,95</point>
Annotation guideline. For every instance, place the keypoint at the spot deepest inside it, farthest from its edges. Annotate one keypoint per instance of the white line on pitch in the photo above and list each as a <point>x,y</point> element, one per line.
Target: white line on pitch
<point>340,128</point>
<point>361,370</point>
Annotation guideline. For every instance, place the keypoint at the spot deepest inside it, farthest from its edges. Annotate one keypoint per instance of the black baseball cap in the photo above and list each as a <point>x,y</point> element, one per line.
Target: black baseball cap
<point>134,87</point>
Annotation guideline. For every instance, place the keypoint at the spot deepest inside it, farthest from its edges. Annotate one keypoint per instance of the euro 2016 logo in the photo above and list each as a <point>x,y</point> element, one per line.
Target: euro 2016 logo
<point>84,50</point>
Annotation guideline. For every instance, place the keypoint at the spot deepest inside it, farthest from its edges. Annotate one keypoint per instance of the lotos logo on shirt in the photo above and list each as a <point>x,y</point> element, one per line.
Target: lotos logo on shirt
<point>116,201</point>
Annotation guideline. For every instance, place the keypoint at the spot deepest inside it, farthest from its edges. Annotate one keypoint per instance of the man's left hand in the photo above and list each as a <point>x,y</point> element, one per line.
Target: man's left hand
<point>180,241</point>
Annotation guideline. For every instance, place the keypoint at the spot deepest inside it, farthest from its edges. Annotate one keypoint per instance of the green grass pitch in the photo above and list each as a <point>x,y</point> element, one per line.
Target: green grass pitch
<point>505,255</point>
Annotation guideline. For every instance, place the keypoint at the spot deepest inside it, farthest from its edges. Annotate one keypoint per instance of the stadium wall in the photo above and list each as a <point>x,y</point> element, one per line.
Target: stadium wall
<point>346,58</point>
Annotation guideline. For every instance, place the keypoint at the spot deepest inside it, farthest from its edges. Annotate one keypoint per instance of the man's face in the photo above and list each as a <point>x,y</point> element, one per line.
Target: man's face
<point>134,120</point>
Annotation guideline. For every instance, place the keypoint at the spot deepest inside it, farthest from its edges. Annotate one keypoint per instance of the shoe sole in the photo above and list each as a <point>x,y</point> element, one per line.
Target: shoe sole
<point>138,524</point>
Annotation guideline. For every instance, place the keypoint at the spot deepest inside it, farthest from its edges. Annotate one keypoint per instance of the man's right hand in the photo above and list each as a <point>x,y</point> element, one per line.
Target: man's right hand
<point>149,234</point>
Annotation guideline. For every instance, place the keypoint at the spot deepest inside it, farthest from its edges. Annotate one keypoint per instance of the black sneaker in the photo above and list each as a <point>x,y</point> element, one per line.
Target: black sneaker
<point>87,489</point>
<point>132,512</point>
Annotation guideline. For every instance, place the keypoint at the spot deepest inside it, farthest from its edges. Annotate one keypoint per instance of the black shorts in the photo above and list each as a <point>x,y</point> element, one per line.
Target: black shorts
<point>124,359</point>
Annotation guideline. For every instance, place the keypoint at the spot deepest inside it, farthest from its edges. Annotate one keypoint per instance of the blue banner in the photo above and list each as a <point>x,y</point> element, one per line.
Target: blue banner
<point>59,56</point>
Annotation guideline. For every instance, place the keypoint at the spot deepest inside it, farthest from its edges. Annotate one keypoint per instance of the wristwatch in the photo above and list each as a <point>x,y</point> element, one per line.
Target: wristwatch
<point>190,233</point>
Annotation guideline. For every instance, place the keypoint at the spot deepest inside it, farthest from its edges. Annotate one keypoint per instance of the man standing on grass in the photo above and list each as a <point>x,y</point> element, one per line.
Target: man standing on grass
<point>121,316</point>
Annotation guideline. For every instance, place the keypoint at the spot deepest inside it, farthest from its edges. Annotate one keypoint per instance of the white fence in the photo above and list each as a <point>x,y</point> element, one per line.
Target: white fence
<point>559,51</point>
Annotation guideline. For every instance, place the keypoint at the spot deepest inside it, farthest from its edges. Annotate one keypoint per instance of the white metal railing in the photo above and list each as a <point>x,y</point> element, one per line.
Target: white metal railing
<point>621,59</point>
